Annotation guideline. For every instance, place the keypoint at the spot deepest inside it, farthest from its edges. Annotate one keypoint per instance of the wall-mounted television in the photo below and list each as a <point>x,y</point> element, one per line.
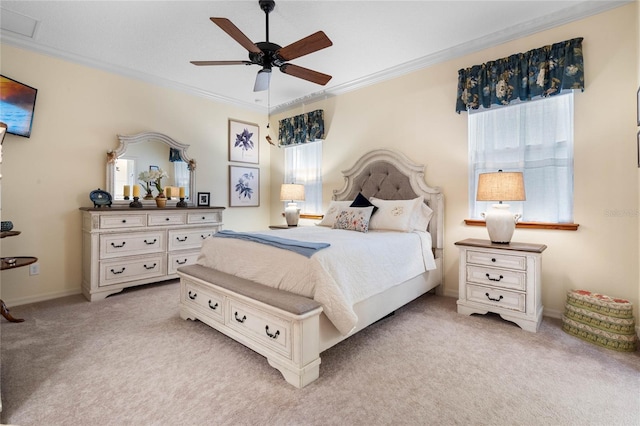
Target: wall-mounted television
<point>17,103</point>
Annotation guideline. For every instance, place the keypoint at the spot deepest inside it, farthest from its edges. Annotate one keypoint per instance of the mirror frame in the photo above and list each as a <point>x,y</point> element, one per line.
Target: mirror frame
<point>126,140</point>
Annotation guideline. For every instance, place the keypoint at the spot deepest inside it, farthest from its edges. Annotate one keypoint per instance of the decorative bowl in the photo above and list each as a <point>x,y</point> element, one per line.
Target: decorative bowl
<point>6,225</point>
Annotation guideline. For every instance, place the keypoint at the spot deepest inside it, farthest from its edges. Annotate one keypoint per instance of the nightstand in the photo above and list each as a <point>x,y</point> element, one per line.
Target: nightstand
<point>501,278</point>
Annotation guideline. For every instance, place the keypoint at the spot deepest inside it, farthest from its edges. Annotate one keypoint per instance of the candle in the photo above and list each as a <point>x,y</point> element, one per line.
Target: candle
<point>127,190</point>
<point>182,192</point>
<point>168,191</point>
<point>136,190</point>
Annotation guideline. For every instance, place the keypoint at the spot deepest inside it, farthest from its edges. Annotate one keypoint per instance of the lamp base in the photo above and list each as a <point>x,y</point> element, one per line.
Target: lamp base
<point>292,214</point>
<point>500,223</point>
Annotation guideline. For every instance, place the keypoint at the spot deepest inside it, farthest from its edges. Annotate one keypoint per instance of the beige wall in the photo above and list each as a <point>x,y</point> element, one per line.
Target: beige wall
<point>81,110</point>
<point>415,114</point>
<point>79,113</point>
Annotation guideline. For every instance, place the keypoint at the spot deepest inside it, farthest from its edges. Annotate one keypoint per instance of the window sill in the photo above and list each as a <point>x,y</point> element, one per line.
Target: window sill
<point>310,216</point>
<point>531,225</point>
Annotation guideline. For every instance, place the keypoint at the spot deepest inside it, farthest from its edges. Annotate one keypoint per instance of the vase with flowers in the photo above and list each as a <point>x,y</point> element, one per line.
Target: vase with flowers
<point>156,176</point>
<point>146,180</point>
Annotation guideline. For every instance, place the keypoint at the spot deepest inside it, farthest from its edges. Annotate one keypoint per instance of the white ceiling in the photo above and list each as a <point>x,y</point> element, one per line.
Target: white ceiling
<point>372,40</point>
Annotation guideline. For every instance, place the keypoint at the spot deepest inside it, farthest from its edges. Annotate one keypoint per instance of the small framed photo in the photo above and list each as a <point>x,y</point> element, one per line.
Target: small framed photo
<point>244,186</point>
<point>243,142</point>
<point>203,199</point>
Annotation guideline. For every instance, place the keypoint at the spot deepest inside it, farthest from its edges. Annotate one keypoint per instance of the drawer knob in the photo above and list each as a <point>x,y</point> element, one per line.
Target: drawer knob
<point>203,217</point>
<point>124,220</point>
<point>492,299</point>
<point>193,296</point>
<point>118,272</point>
<point>114,245</point>
<point>494,279</point>
<point>150,243</point>
<point>240,320</point>
<point>272,335</point>
<point>213,306</point>
<point>150,267</point>
<point>181,263</point>
<point>182,241</point>
<point>493,259</point>
<point>167,219</point>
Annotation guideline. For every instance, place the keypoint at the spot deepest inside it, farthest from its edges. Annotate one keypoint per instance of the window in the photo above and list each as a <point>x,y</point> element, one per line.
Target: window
<point>535,137</point>
<point>303,164</point>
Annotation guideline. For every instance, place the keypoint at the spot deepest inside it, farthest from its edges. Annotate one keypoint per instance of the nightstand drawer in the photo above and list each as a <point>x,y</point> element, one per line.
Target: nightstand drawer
<point>502,278</point>
<point>497,260</point>
<point>496,297</point>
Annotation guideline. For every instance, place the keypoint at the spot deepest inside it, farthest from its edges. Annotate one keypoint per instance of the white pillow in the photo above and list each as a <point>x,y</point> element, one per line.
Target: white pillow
<point>421,218</point>
<point>335,207</point>
<point>354,219</point>
<point>394,215</point>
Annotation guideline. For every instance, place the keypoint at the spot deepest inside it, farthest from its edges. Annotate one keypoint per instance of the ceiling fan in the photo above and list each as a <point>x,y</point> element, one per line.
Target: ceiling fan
<point>269,55</point>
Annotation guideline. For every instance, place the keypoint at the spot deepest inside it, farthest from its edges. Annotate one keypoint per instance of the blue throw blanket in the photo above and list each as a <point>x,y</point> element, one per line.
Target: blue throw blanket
<point>305,248</point>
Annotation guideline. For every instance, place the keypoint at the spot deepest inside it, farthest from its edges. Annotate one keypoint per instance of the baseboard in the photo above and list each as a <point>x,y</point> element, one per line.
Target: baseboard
<point>41,297</point>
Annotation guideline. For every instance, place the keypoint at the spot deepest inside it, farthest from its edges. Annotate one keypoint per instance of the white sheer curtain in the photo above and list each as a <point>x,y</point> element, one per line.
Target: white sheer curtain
<point>303,164</point>
<point>535,137</point>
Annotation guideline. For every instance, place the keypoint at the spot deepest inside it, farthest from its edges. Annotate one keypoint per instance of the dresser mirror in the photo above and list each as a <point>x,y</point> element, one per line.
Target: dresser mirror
<point>144,152</point>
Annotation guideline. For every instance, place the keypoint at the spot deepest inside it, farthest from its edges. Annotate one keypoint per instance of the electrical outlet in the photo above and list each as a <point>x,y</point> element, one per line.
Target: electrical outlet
<point>34,269</point>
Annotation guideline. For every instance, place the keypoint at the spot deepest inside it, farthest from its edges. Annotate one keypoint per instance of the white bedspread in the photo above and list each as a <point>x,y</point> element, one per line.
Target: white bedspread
<point>356,266</point>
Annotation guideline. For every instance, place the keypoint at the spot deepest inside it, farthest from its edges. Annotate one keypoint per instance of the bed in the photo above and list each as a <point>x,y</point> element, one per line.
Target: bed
<point>292,307</point>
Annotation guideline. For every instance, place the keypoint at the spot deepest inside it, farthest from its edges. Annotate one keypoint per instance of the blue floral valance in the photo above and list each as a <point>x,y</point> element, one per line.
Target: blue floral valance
<point>174,155</point>
<point>301,128</point>
<point>540,72</point>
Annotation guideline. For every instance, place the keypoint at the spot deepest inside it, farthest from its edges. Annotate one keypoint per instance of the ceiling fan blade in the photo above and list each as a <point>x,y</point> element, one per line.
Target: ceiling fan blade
<point>228,27</point>
<point>309,44</point>
<point>305,74</point>
<point>221,63</point>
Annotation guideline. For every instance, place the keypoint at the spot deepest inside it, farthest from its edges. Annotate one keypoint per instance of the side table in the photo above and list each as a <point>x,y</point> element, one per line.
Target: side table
<point>11,263</point>
<point>501,278</point>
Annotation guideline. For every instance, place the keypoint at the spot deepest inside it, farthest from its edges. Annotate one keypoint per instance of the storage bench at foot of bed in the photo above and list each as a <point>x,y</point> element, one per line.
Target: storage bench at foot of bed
<point>279,325</point>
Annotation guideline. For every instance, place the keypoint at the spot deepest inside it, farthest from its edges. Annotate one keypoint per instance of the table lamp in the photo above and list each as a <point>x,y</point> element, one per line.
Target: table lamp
<point>500,186</point>
<point>292,192</point>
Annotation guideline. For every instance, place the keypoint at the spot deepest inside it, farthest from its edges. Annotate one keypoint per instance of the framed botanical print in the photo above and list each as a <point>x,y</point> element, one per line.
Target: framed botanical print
<point>244,186</point>
<point>243,141</point>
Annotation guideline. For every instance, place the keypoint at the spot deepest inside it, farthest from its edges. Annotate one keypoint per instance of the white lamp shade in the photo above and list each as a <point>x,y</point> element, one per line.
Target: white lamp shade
<point>291,192</point>
<point>500,186</point>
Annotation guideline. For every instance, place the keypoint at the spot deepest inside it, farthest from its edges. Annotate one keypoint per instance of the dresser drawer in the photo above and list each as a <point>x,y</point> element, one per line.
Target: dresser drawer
<point>496,297</point>
<point>500,278</point>
<point>497,260</point>
<point>260,326</point>
<point>204,217</point>
<point>124,221</point>
<point>132,243</point>
<point>167,218</point>
<point>207,301</point>
<point>177,260</point>
<point>123,270</point>
<point>187,238</point>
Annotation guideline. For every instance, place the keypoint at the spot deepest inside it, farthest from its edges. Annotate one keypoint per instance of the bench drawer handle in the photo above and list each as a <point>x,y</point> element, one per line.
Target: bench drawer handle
<point>272,335</point>
<point>193,296</point>
<point>213,306</point>
<point>240,320</point>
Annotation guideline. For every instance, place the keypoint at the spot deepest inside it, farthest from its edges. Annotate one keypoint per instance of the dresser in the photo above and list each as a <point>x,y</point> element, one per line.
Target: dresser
<point>124,247</point>
<point>501,278</point>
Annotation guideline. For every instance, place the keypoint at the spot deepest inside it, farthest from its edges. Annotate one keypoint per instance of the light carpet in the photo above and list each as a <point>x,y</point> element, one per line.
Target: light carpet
<point>131,360</point>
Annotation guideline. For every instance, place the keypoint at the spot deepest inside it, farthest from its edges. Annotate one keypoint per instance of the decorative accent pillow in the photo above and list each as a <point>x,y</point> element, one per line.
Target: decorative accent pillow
<point>361,201</point>
<point>354,219</point>
<point>394,215</point>
<point>335,207</point>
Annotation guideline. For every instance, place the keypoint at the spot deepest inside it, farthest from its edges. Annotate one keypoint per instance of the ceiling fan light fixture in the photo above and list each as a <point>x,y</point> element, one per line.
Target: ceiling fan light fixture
<point>262,80</point>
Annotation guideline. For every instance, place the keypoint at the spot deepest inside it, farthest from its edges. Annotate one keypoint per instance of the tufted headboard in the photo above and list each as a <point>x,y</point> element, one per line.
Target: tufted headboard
<point>390,175</point>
